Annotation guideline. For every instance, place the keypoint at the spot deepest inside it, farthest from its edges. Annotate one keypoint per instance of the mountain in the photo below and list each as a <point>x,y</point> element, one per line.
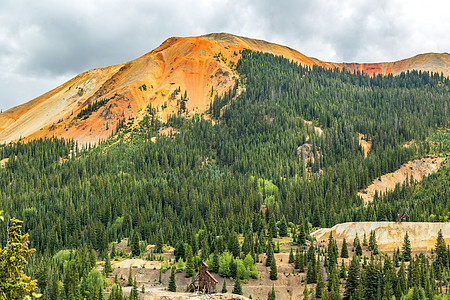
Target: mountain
<point>89,107</point>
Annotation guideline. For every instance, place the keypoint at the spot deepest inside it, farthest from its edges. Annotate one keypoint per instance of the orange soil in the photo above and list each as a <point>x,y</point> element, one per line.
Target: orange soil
<point>191,63</point>
<point>365,143</point>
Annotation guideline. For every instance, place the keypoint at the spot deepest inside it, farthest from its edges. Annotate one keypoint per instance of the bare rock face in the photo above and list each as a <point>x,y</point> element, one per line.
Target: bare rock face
<point>389,235</point>
<point>202,66</point>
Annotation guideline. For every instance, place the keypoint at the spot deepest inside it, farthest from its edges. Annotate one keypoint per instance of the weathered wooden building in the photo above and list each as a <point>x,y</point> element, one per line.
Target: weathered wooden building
<point>204,281</point>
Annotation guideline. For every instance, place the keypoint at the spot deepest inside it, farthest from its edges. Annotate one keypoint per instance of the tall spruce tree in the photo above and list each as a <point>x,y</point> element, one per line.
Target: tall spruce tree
<point>271,295</point>
<point>237,289</point>
<point>441,250</point>
<point>344,249</point>
<point>172,281</point>
<point>291,256</point>
<point>406,248</point>
<point>352,279</point>
<point>135,249</point>
<point>190,267</point>
<point>273,270</point>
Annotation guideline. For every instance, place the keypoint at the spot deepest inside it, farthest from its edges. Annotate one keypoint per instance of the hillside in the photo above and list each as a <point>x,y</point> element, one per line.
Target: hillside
<point>199,67</point>
<point>231,188</point>
<point>389,234</point>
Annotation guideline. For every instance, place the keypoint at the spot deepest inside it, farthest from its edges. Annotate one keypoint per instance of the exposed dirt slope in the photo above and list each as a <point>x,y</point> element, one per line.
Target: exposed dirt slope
<point>389,234</point>
<point>417,169</point>
<point>197,65</point>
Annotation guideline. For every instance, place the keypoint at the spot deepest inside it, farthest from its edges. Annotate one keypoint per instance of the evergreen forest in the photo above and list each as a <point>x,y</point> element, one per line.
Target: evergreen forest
<point>223,187</point>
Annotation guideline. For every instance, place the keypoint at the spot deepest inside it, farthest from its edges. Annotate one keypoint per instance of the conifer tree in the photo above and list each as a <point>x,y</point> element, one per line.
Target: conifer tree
<point>441,250</point>
<point>372,241</point>
<point>172,283</point>
<point>283,227</point>
<point>130,277</point>
<point>406,248</point>
<point>343,271</point>
<point>297,259</point>
<point>291,256</point>
<point>271,295</point>
<point>214,267</point>
<point>107,267</point>
<point>135,249</point>
<point>179,251</point>
<point>273,232</point>
<point>113,252</point>
<point>269,254</point>
<point>159,242</point>
<point>134,295</point>
<point>237,289</point>
<point>344,250</point>
<point>273,270</point>
<point>224,286</point>
<point>352,279</point>
<point>190,264</point>
<point>357,246</point>
<point>311,272</point>
<point>301,236</point>
<point>320,284</point>
<point>305,293</point>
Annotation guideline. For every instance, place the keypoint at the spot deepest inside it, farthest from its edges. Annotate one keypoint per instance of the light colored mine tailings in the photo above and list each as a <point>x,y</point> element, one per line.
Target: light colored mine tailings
<point>417,168</point>
<point>389,234</point>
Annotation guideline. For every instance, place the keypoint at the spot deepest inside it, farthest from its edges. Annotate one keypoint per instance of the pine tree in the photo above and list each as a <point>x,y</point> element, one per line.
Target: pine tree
<point>214,267</point>
<point>357,246</point>
<point>130,277</point>
<point>273,270</point>
<point>344,250</point>
<point>107,267</point>
<point>441,250</point>
<point>179,251</point>
<point>352,279</point>
<point>224,286</point>
<point>283,227</point>
<point>320,284</point>
<point>311,272</point>
<point>159,242</point>
<point>301,236</point>
<point>273,232</point>
<point>406,248</point>
<point>172,283</point>
<point>113,252</point>
<point>269,254</point>
<point>297,259</point>
<point>237,289</point>
<point>372,241</point>
<point>343,271</point>
<point>271,295</point>
<point>134,295</point>
<point>190,264</point>
<point>305,293</point>
<point>135,249</point>
<point>291,256</point>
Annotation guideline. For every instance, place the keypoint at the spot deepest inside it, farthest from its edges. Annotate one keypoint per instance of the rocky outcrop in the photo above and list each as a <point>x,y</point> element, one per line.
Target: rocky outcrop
<point>389,235</point>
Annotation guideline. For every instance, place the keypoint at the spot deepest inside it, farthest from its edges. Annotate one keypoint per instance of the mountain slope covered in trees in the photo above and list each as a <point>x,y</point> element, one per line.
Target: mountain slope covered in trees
<point>242,173</point>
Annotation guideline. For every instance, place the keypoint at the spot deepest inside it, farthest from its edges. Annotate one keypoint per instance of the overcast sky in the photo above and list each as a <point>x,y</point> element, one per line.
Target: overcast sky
<point>44,43</point>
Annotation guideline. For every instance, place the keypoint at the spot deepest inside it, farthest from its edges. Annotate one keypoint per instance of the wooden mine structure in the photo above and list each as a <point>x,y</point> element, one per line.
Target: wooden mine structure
<point>204,281</point>
<point>402,217</point>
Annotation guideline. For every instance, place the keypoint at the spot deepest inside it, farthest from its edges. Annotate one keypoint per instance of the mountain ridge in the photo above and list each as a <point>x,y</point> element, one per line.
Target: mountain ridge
<point>201,66</point>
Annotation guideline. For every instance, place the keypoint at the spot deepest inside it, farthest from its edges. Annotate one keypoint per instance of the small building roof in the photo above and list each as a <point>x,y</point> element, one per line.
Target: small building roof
<point>212,277</point>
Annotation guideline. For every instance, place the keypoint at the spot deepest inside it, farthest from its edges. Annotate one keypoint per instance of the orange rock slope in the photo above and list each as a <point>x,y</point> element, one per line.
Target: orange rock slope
<point>202,66</point>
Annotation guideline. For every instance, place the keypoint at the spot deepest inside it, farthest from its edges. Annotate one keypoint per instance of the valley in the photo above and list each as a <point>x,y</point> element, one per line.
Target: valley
<point>193,153</point>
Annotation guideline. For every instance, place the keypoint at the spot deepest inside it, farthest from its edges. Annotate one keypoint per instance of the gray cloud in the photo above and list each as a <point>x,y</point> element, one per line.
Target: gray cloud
<point>44,43</point>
